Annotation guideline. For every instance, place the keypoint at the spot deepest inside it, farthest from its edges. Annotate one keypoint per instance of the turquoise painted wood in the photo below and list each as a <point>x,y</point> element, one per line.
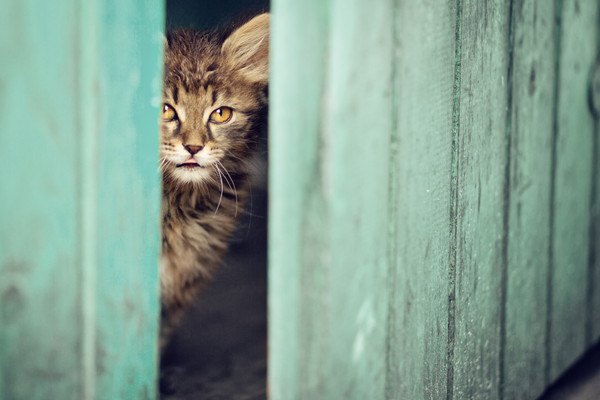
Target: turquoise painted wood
<point>79,96</point>
<point>481,157</point>
<point>420,216</point>
<point>573,158</point>
<point>329,247</point>
<point>529,198</point>
<point>301,210</point>
<point>434,188</point>
<point>594,323</point>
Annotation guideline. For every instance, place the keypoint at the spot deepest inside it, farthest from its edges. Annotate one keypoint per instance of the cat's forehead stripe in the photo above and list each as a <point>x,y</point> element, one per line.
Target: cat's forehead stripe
<point>195,86</point>
<point>213,95</point>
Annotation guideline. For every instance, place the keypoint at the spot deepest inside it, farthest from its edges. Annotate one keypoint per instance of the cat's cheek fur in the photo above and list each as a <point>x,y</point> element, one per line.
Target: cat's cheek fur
<point>195,175</point>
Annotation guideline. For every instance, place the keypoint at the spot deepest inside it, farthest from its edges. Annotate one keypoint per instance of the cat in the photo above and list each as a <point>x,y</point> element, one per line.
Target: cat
<point>214,106</point>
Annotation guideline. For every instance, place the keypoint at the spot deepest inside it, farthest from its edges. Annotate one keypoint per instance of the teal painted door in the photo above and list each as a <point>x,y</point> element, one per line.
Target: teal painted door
<point>434,221</point>
<point>79,102</point>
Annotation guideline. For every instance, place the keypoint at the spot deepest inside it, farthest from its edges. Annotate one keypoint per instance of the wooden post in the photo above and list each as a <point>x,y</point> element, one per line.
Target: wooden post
<point>79,102</point>
<point>434,197</point>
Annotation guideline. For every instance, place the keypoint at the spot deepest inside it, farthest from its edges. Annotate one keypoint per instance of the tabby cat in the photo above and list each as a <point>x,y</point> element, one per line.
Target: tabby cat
<point>215,104</point>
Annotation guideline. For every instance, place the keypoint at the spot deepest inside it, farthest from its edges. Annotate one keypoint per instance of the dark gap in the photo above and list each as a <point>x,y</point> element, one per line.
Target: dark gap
<point>454,183</point>
<point>391,378</point>
<point>581,381</point>
<point>202,14</point>
<point>550,274</point>
<point>506,206</point>
<point>220,349</point>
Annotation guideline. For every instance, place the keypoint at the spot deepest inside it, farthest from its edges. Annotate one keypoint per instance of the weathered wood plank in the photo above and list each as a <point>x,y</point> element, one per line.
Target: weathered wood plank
<point>79,210</point>
<point>593,315</point>
<point>126,194</point>
<point>39,231</point>
<point>532,111</point>
<point>572,178</point>
<point>420,204</point>
<point>482,158</point>
<point>330,126</point>
<point>294,207</point>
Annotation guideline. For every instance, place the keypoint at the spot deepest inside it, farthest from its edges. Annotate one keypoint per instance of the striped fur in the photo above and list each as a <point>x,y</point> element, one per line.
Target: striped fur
<point>205,71</point>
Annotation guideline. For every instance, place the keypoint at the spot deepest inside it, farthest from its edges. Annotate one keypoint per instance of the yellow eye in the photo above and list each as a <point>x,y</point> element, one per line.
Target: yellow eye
<point>169,113</point>
<point>221,115</point>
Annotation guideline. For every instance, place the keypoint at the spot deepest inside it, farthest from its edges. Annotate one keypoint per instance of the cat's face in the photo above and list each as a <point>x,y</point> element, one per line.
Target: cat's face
<point>213,101</point>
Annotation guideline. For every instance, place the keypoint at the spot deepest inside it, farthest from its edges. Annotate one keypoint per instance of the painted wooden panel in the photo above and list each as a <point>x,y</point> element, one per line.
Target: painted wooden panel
<point>420,187</point>
<point>577,52</point>
<point>355,135</point>
<point>39,206</point>
<point>594,322</point>
<point>481,165</point>
<point>330,108</point>
<point>530,157</point>
<point>127,193</point>
<point>480,254</point>
<point>79,89</point>
<point>295,209</point>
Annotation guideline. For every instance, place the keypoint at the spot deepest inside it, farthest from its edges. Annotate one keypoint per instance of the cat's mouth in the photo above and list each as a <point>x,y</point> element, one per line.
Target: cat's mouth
<point>189,164</point>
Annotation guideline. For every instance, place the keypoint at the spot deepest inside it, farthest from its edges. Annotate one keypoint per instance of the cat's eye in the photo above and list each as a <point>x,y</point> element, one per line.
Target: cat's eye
<point>221,115</point>
<point>168,113</point>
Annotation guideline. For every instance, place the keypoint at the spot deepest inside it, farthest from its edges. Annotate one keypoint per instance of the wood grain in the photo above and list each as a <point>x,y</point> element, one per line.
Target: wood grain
<point>295,208</point>
<point>482,158</point>
<point>528,259</point>
<point>39,206</point>
<point>572,179</point>
<point>431,164</point>
<point>330,126</point>
<point>594,259</point>
<point>127,195</point>
<point>79,235</point>
<point>420,202</point>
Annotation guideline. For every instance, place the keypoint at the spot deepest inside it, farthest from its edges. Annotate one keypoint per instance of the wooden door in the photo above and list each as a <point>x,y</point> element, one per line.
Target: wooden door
<point>79,105</point>
<point>434,197</point>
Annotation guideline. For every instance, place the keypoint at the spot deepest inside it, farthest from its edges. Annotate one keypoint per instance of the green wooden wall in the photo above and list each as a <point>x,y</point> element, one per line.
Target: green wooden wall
<point>435,201</point>
<point>79,104</point>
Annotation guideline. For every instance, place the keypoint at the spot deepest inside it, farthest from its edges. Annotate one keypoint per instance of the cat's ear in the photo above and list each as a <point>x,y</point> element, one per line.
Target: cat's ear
<point>247,49</point>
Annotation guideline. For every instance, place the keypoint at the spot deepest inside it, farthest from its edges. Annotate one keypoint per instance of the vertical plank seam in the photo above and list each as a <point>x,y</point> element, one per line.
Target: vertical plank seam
<point>550,272</point>
<point>77,94</point>
<point>322,190</point>
<point>391,386</point>
<point>594,200</point>
<point>507,198</point>
<point>88,161</point>
<point>454,182</point>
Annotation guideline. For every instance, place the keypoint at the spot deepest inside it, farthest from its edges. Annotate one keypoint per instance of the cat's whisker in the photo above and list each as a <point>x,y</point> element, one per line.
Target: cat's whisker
<point>161,164</point>
<point>251,209</point>
<point>164,163</point>
<point>232,188</point>
<point>221,178</point>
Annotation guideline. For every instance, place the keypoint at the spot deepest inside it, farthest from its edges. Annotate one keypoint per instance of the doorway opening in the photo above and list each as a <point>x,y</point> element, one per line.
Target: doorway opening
<point>220,349</point>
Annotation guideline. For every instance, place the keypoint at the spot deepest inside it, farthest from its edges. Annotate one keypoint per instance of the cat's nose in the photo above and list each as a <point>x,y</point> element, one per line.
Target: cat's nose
<point>192,149</point>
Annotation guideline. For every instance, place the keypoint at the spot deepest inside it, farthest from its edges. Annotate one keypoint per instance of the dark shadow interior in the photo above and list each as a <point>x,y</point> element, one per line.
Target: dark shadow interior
<point>220,350</point>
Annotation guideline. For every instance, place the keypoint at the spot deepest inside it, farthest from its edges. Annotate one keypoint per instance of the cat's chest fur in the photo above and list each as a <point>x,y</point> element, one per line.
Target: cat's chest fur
<point>195,236</point>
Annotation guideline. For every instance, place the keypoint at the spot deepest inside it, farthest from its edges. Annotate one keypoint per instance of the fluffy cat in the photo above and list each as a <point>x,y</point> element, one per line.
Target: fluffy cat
<point>215,104</point>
